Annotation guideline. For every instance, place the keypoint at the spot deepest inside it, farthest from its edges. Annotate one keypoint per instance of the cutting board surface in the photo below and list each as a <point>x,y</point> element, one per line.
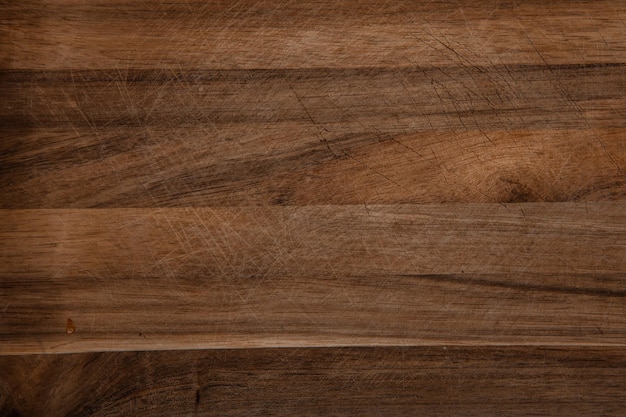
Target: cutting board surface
<point>312,208</point>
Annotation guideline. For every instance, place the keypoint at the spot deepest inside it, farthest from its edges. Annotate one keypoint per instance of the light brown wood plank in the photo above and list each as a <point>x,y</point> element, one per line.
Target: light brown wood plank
<point>425,381</point>
<point>247,34</point>
<point>327,136</point>
<point>485,274</point>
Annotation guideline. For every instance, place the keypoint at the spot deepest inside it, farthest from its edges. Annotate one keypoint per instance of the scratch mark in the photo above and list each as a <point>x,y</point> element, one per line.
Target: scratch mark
<point>608,155</point>
<point>375,171</point>
<point>413,150</point>
<point>306,110</point>
<point>310,117</point>
<point>536,50</point>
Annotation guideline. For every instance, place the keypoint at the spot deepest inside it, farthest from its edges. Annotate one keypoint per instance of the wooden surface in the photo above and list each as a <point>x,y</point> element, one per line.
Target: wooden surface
<point>439,381</point>
<point>316,208</point>
<point>313,276</point>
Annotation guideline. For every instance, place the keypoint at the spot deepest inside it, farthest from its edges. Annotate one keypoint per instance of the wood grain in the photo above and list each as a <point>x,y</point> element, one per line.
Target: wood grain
<point>250,34</point>
<point>391,381</point>
<point>313,136</point>
<point>313,276</point>
<point>274,103</point>
<point>317,207</point>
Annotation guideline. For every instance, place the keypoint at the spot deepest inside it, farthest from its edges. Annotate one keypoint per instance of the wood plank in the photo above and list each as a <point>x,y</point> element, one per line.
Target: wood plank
<point>485,274</point>
<point>180,167</point>
<point>251,34</point>
<point>425,381</point>
<point>135,138</point>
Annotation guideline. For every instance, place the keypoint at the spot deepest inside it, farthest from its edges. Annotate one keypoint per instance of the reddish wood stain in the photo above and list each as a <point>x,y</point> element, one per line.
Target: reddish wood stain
<point>70,328</point>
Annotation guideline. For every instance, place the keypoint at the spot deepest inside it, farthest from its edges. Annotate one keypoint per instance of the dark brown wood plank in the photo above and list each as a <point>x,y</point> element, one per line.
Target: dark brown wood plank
<point>425,381</point>
<point>484,274</point>
<point>314,136</point>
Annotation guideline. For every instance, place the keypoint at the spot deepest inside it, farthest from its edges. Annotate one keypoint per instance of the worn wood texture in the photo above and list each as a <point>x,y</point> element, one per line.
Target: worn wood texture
<point>383,208</point>
<point>313,276</point>
<point>437,381</point>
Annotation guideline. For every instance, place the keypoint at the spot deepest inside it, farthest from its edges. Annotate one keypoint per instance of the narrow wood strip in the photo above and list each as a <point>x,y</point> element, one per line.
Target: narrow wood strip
<point>278,164</point>
<point>248,34</point>
<point>425,381</point>
<point>395,98</point>
<point>76,280</point>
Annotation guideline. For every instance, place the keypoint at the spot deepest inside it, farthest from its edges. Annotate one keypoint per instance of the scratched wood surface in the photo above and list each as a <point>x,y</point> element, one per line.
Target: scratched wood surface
<point>313,276</point>
<point>319,207</point>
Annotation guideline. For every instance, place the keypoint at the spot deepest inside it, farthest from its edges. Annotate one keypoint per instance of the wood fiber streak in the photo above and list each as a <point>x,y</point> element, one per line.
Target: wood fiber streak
<point>391,381</point>
<point>313,276</point>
